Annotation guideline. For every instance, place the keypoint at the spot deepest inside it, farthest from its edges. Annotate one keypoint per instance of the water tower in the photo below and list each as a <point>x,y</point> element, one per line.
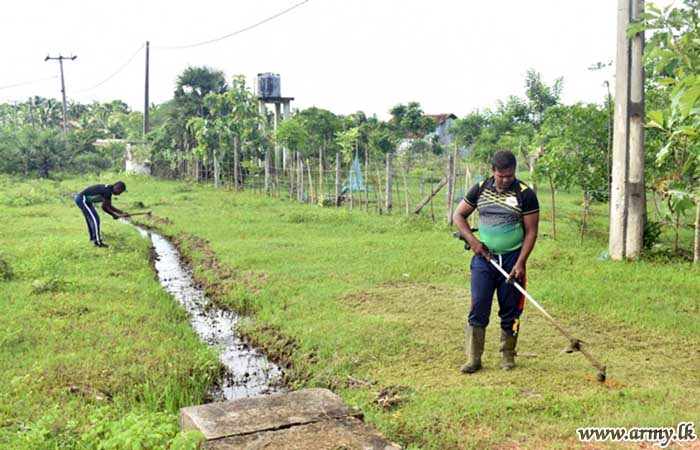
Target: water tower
<point>270,91</point>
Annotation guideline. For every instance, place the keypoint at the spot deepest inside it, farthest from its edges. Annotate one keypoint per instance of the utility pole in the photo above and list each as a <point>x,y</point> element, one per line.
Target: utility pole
<point>145,105</point>
<point>63,84</point>
<point>628,199</point>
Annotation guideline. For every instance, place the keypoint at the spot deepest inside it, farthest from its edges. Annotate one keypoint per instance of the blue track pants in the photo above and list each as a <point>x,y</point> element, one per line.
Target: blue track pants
<point>485,280</point>
<point>91,217</point>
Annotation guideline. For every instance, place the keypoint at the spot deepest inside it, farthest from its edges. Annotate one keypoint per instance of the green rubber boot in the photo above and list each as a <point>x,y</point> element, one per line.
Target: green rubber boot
<point>475,348</point>
<point>507,348</point>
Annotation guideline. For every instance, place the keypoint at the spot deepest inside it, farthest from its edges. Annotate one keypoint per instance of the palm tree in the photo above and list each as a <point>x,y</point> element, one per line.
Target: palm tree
<point>195,83</point>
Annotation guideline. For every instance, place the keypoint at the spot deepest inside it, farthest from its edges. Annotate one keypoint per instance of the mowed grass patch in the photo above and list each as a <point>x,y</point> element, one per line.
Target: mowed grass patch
<point>650,376</point>
<point>382,301</point>
<point>90,342</point>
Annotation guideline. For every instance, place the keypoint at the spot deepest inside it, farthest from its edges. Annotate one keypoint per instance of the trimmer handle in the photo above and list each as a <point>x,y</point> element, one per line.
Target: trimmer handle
<point>459,236</point>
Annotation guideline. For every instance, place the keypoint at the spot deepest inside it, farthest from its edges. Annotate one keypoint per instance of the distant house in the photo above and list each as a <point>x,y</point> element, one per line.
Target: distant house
<point>134,163</point>
<point>444,123</point>
<point>442,131</point>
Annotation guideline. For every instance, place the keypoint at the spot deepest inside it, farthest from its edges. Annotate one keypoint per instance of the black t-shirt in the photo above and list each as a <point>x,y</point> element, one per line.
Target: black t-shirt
<point>98,193</point>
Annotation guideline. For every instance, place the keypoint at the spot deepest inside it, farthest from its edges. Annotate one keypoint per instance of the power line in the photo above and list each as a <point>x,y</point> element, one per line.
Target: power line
<point>24,83</point>
<point>242,30</point>
<point>122,67</point>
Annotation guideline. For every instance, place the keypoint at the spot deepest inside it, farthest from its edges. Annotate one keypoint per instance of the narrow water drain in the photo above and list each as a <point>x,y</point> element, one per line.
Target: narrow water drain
<point>248,371</point>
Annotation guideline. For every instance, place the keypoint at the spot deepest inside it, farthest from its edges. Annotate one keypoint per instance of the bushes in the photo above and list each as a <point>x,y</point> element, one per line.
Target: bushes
<point>34,151</point>
<point>139,431</point>
<point>135,430</point>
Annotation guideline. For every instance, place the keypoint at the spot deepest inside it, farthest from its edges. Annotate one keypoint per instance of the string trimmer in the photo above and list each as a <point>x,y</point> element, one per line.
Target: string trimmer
<point>574,344</point>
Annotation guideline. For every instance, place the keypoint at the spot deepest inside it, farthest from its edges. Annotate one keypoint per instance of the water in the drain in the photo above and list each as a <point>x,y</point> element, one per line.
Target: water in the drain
<point>248,372</point>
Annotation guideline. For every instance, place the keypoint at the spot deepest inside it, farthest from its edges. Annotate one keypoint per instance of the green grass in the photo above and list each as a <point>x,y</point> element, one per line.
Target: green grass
<point>88,338</point>
<point>384,299</point>
<point>349,296</point>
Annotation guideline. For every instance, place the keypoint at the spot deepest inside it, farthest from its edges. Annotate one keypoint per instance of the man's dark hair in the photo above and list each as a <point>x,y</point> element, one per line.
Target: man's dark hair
<point>504,159</point>
<point>120,185</point>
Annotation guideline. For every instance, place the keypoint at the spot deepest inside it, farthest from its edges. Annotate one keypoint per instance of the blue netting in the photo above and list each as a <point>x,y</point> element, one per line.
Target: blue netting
<point>355,180</point>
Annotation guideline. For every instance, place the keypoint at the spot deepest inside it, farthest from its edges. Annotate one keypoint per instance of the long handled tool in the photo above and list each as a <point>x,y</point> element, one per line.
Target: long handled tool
<point>140,213</point>
<point>575,344</point>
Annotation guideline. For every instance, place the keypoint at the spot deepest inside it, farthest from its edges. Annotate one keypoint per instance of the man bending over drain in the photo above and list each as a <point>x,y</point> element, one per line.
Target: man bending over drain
<point>99,193</point>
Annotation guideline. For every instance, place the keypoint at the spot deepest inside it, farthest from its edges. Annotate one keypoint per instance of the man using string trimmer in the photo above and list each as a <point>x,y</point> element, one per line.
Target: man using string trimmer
<point>508,219</point>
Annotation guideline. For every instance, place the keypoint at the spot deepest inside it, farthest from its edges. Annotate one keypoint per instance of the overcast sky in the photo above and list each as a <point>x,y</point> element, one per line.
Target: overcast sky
<point>449,55</point>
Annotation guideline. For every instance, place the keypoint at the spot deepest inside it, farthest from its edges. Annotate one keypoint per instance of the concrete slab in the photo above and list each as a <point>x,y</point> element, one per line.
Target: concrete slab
<point>347,433</point>
<point>257,414</point>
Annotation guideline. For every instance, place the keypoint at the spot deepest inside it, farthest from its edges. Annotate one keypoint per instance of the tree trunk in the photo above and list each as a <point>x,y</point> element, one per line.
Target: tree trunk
<point>533,182</point>
<point>554,209</point>
<point>676,229</point>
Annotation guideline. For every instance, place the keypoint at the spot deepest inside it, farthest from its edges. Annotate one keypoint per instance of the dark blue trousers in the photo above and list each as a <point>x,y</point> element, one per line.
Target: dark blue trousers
<point>91,217</point>
<point>485,280</point>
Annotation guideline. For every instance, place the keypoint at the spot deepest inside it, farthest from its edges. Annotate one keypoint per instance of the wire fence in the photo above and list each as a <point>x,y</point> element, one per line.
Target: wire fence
<point>391,185</point>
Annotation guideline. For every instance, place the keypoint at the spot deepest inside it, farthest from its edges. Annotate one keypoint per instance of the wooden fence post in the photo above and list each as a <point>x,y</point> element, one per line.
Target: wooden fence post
<point>235,163</point>
<point>338,162</point>
<point>450,188</point>
<point>389,174</point>
<point>300,178</point>
<point>366,180</point>
<point>267,170</point>
<point>429,197</point>
<point>312,191</point>
<point>290,168</point>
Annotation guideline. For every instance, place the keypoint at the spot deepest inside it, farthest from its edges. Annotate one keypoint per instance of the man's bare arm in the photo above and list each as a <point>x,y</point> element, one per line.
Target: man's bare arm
<point>464,210</point>
<point>112,211</point>
<point>530,224</point>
